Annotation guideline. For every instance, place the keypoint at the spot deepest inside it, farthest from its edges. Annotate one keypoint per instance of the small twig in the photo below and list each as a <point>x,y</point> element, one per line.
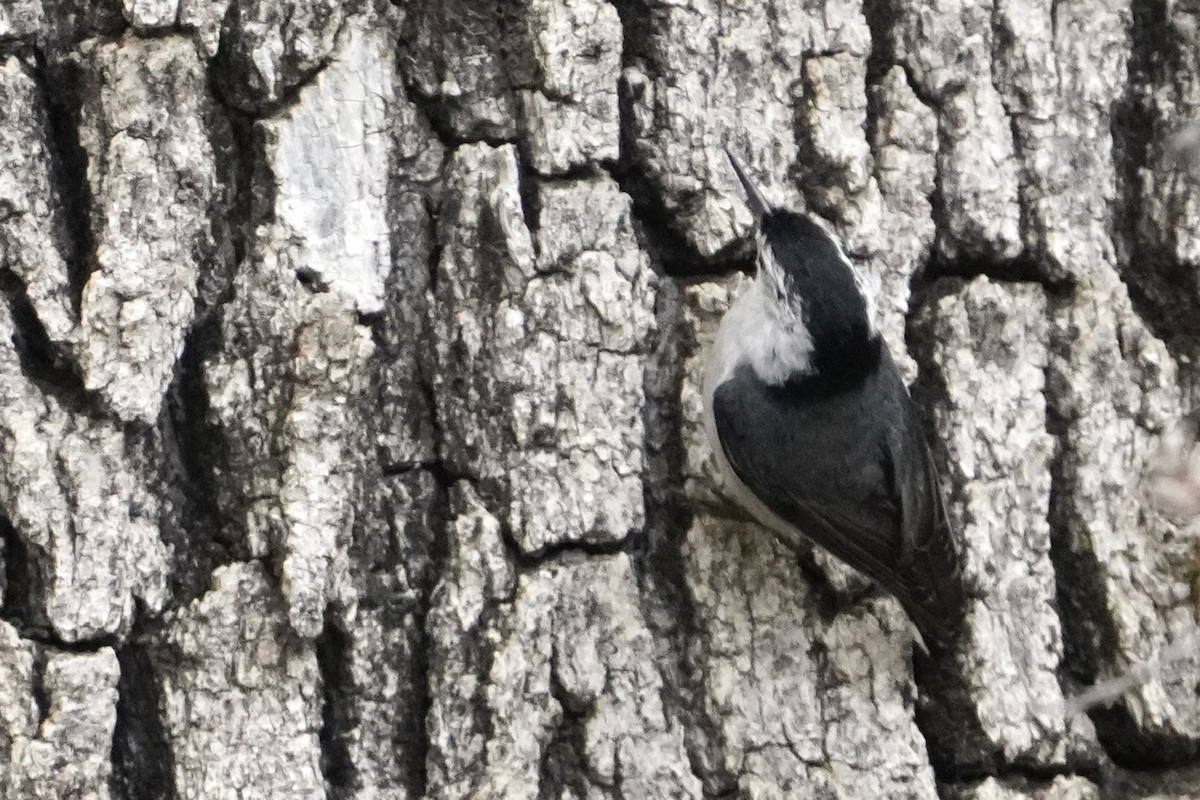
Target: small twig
<point>1108,691</point>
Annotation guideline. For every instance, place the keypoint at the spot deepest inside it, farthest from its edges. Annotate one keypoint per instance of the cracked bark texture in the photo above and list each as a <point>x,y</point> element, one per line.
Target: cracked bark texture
<point>351,441</point>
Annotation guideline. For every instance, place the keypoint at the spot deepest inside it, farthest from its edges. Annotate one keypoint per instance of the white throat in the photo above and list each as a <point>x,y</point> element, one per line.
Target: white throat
<point>758,331</point>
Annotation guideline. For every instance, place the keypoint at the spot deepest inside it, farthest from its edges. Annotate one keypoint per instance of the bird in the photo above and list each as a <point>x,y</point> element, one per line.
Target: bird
<point>814,430</point>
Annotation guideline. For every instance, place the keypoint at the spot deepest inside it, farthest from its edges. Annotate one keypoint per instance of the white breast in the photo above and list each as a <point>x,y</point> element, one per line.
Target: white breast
<point>753,333</point>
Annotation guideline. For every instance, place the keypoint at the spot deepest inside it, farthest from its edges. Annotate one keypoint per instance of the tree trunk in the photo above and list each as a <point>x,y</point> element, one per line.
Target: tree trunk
<point>350,429</point>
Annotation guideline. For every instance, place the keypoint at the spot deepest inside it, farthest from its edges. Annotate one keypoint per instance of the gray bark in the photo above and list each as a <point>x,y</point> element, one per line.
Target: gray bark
<point>351,441</point>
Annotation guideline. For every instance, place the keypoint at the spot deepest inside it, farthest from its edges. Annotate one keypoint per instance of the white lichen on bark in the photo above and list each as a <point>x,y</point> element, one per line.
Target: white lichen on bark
<point>325,156</point>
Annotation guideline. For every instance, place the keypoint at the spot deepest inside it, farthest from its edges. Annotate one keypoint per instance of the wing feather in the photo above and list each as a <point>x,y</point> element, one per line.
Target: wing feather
<point>851,472</point>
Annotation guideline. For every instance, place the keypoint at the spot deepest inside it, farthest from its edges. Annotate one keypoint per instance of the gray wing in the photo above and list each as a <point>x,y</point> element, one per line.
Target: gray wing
<point>851,472</point>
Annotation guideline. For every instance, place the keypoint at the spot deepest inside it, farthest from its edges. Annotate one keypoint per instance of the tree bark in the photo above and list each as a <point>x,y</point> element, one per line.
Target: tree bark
<point>351,441</point>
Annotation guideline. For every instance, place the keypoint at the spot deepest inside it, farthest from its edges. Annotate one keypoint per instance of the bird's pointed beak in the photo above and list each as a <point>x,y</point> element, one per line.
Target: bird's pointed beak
<point>754,199</point>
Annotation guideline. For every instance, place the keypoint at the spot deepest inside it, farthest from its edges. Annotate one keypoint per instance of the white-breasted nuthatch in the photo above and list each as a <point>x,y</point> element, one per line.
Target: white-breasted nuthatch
<point>814,430</point>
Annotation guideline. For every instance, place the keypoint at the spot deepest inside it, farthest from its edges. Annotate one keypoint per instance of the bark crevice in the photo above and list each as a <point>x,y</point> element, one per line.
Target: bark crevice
<point>69,164</point>
<point>337,711</point>
<point>143,765</point>
<point>190,469</point>
<point>42,362</point>
<point>1162,288</point>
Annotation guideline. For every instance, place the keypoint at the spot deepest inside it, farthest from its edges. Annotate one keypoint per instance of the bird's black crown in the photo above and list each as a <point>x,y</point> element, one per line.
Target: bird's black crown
<point>817,276</point>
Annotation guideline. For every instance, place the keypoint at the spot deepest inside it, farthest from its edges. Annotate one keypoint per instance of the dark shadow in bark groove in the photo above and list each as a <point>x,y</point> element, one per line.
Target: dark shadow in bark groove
<point>415,540</point>
<point>402,334</point>
<point>233,213</point>
<point>637,29</point>
<point>41,361</point>
<point>933,678</point>
<point>339,714</point>
<point>1136,751</point>
<point>531,206</point>
<point>665,600</point>
<point>936,680</point>
<point>20,582</point>
<point>465,23</point>
<point>563,770</point>
<point>667,247</point>
<point>1162,290</point>
<point>425,534</point>
<point>38,685</point>
<point>69,162</point>
<point>530,561</point>
<point>191,452</point>
<point>1022,269</point>
<point>143,764</point>
<point>879,62</point>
